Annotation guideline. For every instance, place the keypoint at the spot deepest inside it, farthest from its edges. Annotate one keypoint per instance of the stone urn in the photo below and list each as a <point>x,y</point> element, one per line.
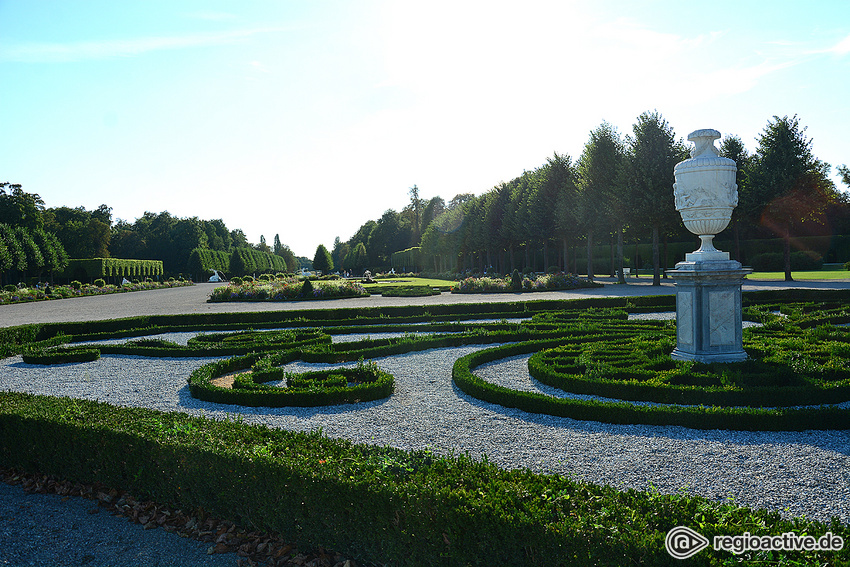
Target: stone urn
<point>705,193</point>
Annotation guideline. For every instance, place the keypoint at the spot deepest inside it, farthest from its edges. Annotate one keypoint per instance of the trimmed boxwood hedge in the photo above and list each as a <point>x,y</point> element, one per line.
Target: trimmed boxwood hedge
<point>372,503</point>
<point>390,506</point>
<point>697,417</point>
<point>60,355</point>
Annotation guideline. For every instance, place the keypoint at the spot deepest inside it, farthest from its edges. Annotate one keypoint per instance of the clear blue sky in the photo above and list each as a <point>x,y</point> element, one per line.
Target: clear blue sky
<point>308,118</point>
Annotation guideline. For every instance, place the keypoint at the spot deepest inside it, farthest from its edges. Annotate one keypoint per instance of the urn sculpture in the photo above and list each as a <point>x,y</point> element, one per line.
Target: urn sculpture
<point>705,193</point>
<point>708,282</point>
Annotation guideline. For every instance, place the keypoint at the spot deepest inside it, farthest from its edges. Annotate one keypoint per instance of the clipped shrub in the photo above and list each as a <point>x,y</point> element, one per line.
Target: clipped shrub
<point>236,280</point>
<point>248,279</point>
<point>516,280</point>
<point>99,282</point>
<point>306,289</point>
<point>265,277</point>
<point>11,288</point>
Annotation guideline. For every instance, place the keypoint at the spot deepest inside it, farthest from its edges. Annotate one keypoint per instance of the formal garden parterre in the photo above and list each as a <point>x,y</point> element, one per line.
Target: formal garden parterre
<point>417,507</point>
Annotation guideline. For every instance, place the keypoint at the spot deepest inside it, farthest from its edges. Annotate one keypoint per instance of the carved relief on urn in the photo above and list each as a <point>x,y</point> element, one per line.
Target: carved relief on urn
<point>705,193</point>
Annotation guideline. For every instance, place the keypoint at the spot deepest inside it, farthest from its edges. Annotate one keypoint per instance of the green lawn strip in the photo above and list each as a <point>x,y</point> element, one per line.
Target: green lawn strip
<point>813,275</point>
<point>373,503</point>
<point>445,285</point>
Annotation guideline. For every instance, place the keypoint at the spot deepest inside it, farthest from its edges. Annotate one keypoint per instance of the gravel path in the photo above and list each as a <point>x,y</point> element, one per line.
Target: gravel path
<point>51,530</point>
<point>798,474</point>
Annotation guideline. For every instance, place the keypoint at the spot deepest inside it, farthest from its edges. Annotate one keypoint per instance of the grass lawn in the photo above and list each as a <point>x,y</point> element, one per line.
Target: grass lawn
<point>396,281</point>
<point>817,275</point>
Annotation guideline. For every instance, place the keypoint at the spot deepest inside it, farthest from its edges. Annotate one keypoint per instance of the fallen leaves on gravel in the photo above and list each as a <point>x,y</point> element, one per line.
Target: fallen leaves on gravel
<point>252,548</point>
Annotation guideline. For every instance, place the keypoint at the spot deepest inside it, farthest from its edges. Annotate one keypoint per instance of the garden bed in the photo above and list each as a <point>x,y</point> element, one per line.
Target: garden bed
<point>287,290</point>
<point>387,505</point>
<point>29,294</point>
<point>528,283</point>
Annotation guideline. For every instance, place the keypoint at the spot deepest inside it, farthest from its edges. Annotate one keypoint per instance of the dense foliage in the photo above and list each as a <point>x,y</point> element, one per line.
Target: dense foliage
<point>546,282</point>
<point>14,294</point>
<point>287,289</point>
<point>400,507</point>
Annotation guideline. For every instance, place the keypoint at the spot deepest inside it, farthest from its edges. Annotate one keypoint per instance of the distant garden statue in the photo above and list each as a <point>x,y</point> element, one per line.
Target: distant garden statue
<point>367,277</point>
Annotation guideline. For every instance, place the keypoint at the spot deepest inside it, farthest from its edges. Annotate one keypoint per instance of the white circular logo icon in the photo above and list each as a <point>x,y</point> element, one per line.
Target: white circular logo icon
<point>683,542</point>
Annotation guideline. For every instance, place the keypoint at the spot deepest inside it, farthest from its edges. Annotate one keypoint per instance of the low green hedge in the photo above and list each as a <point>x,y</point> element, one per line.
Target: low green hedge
<point>403,290</point>
<point>372,503</point>
<point>60,355</point>
<point>697,417</point>
<point>364,383</point>
<point>783,369</point>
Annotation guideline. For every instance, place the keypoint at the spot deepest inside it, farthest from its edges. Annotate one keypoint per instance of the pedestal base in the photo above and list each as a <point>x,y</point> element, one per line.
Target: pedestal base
<point>708,311</point>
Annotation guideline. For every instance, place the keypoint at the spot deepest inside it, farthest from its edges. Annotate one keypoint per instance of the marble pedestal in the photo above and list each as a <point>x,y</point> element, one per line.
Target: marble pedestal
<point>708,308</point>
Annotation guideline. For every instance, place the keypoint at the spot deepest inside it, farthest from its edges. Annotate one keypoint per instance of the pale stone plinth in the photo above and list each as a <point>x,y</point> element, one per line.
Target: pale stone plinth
<point>708,310</point>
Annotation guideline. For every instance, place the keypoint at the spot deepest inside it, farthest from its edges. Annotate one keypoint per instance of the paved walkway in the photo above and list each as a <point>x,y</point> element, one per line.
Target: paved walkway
<point>193,299</point>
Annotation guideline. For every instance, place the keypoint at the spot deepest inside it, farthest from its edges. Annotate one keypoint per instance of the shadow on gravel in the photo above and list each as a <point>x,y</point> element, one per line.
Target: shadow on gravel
<point>837,441</point>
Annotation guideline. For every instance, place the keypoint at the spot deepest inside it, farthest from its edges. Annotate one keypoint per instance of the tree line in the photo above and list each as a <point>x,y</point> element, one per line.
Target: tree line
<point>620,187</point>
<point>36,240</point>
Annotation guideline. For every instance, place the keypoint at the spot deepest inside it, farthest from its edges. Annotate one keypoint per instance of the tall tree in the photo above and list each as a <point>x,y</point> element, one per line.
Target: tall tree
<point>598,178</point>
<point>416,210</point>
<point>84,234</point>
<point>263,246</point>
<point>733,148</point>
<point>19,208</point>
<point>322,260</point>
<point>789,186</point>
<point>433,209</point>
<point>652,153</point>
<point>844,172</point>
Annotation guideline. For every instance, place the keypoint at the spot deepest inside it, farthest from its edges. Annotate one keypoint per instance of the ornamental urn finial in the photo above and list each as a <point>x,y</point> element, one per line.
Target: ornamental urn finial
<point>705,193</point>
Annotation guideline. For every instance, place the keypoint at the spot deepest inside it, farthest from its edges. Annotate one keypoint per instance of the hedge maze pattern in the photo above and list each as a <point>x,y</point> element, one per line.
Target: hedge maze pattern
<point>797,375</point>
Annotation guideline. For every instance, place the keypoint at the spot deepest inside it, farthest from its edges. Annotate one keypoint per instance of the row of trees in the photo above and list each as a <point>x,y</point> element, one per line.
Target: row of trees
<point>161,236</point>
<point>619,187</point>
<point>26,252</point>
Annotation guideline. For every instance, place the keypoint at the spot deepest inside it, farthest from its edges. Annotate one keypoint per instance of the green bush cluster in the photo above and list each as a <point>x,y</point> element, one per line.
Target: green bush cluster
<point>243,289</point>
<point>77,289</point>
<point>403,290</point>
<point>372,503</point>
<point>386,505</point>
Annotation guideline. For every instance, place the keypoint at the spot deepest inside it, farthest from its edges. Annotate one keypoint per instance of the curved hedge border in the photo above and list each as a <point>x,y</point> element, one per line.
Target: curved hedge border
<point>61,356</point>
<point>697,417</point>
<point>640,369</point>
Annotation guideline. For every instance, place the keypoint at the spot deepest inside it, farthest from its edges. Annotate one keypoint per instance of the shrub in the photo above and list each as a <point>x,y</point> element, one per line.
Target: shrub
<point>11,288</point>
<point>306,289</point>
<point>775,262</point>
<point>236,280</point>
<point>516,280</point>
<point>99,282</point>
<point>248,279</point>
<point>264,278</point>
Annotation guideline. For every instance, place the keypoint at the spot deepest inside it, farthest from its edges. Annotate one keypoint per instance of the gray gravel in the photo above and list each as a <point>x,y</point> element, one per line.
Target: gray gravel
<point>50,530</point>
<point>799,474</point>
